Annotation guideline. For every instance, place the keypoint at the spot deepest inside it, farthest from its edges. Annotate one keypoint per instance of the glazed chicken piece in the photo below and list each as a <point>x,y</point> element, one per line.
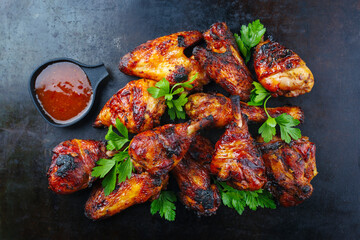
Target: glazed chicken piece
<point>193,178</point>
<point>237,159</point>
<point>159,150</point>
<point>223,63</point>
<point>134,107</point>
<point>281,71</point>
<point>289,169</point>
<point>201,150</point>
<point>164,58</point>
<point>72,163</point>
<point>139,188</point>
<point>200,105</point>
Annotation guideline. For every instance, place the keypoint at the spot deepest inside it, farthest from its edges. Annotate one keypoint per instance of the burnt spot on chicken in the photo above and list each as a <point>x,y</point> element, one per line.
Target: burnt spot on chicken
<point>65,163</point>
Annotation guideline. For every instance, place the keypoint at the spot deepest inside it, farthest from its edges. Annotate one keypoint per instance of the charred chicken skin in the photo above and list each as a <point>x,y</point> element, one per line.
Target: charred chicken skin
<point>223,63</point>
<point>164,58</point>
<point>281,71</point>
<point>139,188</point>
<point>134,107</point>
<point>289,169</point>
<point>237,159</point>
<point>159,150</point>
<point>200,105</point>
<point>72,163</point>
<point>201,150</point>
<point>193,177</point>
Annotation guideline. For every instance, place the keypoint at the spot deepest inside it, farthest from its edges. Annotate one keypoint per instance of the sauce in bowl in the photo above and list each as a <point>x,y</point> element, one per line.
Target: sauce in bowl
<point>64,91</point>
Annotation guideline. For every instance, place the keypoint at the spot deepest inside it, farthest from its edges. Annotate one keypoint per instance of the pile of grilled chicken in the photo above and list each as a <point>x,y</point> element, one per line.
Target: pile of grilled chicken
<point>245,163</point>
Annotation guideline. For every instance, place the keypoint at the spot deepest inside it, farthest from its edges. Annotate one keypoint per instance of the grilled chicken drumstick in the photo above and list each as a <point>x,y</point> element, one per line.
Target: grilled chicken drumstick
<point>72,163</point>
<point>289,169</point>
<point>281,71</point>
<point>157,151</point>
<point>134,106</point>
<point>237,159</point>
<point>193,178</point>
<point>223,63</point>
<point>164,57</point>
<point>139,188</point>
<point>200,105</point>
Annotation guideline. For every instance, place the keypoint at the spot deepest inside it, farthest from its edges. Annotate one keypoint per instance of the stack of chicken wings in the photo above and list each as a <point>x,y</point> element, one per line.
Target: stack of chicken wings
<point>243,161</point>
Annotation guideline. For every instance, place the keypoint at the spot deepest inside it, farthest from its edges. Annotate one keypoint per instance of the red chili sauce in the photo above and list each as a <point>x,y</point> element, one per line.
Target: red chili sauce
<point>64,91</point>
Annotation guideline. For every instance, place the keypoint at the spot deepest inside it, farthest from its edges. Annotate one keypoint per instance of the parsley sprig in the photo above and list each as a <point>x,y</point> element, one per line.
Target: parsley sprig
<point>259,96</point>
<point>239,199</point>
<point>162,89</point>
<point>165,205</point>
<point>249,37</point>
<point>118,168</point>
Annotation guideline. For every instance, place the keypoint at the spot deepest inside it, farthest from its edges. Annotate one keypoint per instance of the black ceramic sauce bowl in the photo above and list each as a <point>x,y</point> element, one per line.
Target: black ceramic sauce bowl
<point>95,74</point>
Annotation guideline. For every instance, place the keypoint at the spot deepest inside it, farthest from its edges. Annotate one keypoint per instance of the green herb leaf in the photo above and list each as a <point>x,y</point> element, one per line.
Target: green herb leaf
<point>118,168</point>
<point>109,182</point>
<point>267,129</point>
<point>114,140</point>
<point>104,166</point>
<point>165,205</point>
<point>239,199</point>
<point>249,37</point>
<point>175,106</point>
<point>258,95</point>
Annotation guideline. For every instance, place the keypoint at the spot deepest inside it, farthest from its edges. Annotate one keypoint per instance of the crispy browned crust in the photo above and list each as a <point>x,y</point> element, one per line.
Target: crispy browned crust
<point>289,168</point>
<point>223,63</point>
<point>257,114</point>
<point>72,163</point>
<point>157,151</point>
<point>196,191</point>
<point>164,57</point>
<point>201,150</point>
<point>281,71</point>
<point>134,107</point>
<point>200,105</point>
<point>138,189</point>
<point>237,159</point>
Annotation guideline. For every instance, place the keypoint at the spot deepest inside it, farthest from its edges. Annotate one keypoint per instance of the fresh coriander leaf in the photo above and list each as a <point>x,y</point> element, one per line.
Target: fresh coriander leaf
<point>258,95</point>
<point>180,115</point>
<point>125,169</point>
<point>287,131</point>
<point>171,112</point>
<point>164,85</point>
<point>114,140</point>
<point>109,182</point>
<point>164,205</point>
<point>121,128</point>
<point>239,199</point>
<point>249,37</point>
<point>267,131</point>
<point>104,166</point>
<point>177,91</point>
<point>242,48</point>
<point>168,97</point>
<point>180,102</point>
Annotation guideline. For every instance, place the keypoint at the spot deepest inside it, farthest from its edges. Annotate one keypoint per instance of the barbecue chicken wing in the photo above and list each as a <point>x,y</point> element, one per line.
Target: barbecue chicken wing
<point>281,71</point>
<point>193,178</point>
<point>236,158</point>
<point>157,151</point>
<point>72,163</point>
<point>137,189</point>
<point>164,58</point>
<point>201,150</point>
<point>289,169</point>
<point>134,107</point>
<point>223,63</point>
<point>200,105</point>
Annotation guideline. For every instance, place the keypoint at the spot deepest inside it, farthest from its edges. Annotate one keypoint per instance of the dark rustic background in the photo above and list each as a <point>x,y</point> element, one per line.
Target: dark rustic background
<point>324,33</point>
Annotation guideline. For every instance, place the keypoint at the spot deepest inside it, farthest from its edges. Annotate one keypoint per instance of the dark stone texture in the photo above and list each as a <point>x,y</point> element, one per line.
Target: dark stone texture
<point>324,33</point>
